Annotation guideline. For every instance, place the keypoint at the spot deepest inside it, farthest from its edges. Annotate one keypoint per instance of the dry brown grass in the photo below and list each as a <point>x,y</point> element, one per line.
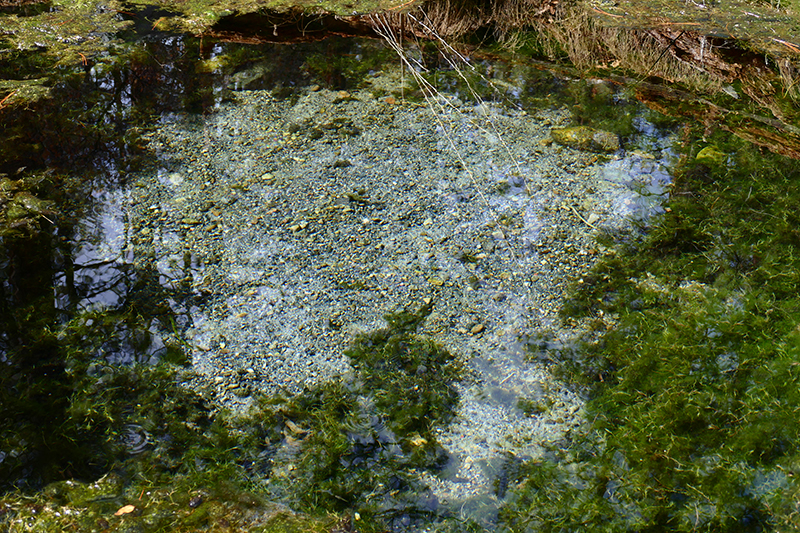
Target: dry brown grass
<point>447,19</point>
<point>562,31</point>
<point>790,73</point>
<point>673,52</point>
<point>455,18</point>
<point>577,35</point>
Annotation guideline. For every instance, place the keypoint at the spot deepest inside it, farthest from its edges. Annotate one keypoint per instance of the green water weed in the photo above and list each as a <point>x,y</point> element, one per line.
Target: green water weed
<point>694,388</point>
<point>356,444</point>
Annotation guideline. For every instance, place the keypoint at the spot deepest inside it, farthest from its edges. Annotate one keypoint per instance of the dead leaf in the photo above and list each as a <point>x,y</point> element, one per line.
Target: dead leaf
<point>125,509</point>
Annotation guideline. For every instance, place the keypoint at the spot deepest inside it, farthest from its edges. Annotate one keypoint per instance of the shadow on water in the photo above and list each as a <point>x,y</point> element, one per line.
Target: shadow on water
<point>83,323</point>
<point>70,298</point>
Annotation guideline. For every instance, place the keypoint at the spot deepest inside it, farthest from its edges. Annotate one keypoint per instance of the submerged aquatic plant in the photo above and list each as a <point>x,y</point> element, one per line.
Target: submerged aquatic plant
<point>357,443</point>
<point>695,384</point>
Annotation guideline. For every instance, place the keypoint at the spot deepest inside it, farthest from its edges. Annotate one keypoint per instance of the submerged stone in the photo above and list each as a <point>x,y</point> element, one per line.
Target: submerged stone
<point>247,79</point>
<point>109,488</point>
<point>586,138</point>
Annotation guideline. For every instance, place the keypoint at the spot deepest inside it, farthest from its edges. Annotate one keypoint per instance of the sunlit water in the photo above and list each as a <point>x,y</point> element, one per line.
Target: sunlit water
<point>279,229</point>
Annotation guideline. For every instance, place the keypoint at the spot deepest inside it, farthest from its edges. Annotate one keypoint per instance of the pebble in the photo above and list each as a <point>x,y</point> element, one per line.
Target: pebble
<point>357,241</point>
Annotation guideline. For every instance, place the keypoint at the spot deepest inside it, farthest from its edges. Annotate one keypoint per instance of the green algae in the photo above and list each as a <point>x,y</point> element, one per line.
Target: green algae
<point>692,371</point>
<point>357,444</point>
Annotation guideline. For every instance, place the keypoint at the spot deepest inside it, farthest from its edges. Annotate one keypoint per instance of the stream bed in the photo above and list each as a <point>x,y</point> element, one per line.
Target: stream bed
<point>283,227</point>
<point>317,287</point>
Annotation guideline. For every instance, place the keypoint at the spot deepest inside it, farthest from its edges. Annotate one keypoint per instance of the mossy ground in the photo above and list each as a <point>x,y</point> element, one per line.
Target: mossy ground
<point>693,368</point>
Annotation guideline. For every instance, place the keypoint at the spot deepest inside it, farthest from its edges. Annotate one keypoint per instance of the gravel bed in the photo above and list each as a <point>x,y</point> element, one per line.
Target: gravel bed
<point>301,222</point>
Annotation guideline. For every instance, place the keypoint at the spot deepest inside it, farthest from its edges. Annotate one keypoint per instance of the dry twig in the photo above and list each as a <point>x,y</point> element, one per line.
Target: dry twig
<point>3,101</point>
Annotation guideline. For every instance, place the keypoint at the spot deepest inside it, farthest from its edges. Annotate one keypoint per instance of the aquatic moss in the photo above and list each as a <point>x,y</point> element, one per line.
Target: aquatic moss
<point>57,419</point>
<point>694,379</point>
<point>357,444</point>
<point>158,459</point>
<point>70,32</point>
